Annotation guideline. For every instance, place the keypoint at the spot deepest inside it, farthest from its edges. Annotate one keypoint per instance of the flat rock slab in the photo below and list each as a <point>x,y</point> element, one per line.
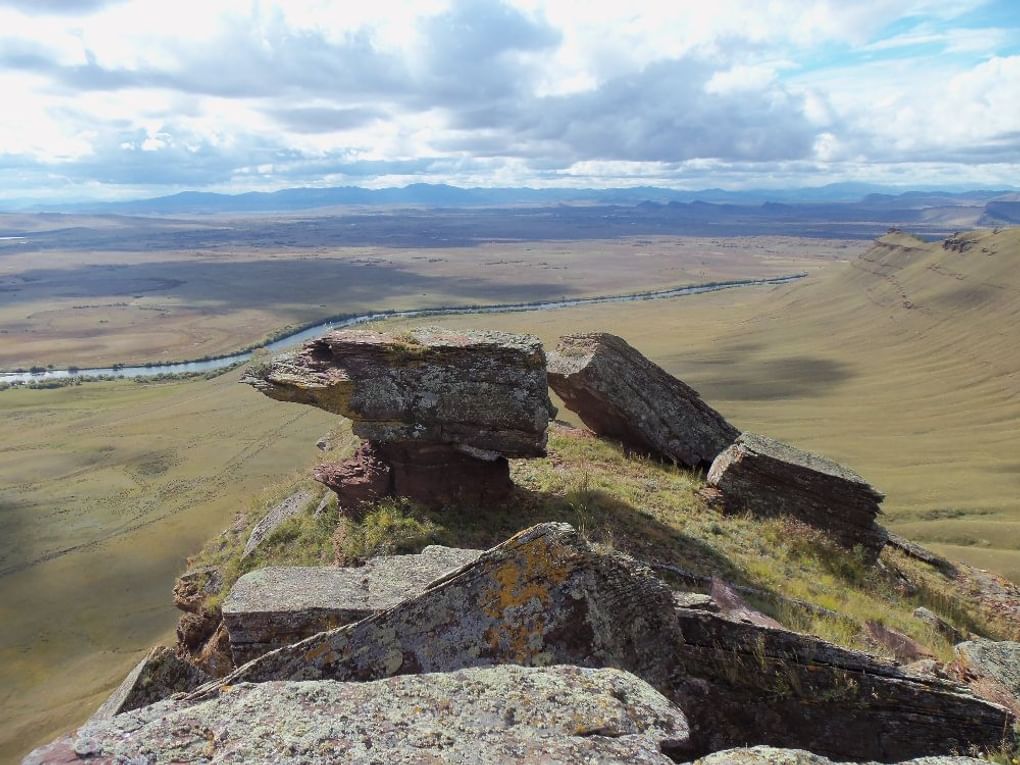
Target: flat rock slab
<point>156,677</point>
<point>506,714</point>
<point>279,605</point>
<point>763,476</point>
<point>277,515</point>
<point>482,391</point>
<point>994,667</point>
<point>547,597</point>
<point>767,755</point>
<point>620,394</point>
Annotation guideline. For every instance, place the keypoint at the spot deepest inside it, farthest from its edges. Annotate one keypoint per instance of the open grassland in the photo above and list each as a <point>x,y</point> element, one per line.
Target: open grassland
<point>94,308</point>
<point>104,490</point>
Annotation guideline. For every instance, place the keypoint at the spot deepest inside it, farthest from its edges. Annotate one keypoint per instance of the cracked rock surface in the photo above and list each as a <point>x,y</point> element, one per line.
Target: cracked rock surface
<point>620,394</point>
<point>504,714</point>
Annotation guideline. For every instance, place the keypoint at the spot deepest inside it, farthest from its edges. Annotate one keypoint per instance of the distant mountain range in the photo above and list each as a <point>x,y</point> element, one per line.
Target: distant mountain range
<point>441,195</point>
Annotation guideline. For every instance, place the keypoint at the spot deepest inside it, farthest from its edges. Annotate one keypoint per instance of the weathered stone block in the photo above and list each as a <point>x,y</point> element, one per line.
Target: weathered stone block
<point>767,755</point>
<point>156,677</point>
<point>279,605</point>
<point>546,597</point>
<point>620,394</point>
<point>768,478</point>
<point>506,714</point>
<point>484,392</point>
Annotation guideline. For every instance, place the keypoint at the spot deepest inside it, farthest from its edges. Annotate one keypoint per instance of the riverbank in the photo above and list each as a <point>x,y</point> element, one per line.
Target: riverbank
<point>298,335</point>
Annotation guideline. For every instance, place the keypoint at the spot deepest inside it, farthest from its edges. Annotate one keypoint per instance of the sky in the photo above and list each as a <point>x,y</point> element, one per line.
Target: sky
<point>114,99</point>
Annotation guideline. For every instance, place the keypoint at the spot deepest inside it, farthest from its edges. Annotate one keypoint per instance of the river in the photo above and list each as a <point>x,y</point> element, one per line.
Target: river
<point>220,362</point>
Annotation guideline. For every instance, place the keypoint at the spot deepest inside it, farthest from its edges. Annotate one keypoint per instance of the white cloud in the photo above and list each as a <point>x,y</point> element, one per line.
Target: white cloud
<point>242,93</point>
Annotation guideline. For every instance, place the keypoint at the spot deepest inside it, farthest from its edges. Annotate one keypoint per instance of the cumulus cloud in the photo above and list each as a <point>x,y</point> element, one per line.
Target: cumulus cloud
<point>157,96</point>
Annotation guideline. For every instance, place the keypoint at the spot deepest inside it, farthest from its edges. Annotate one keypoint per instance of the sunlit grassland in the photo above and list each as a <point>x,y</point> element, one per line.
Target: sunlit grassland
<point>105,489</point>
<point>98,308</point>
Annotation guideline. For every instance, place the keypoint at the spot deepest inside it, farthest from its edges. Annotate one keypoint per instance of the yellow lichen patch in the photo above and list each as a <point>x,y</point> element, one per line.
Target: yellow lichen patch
<point>537,568</point>
<point>531,575</point>
<point>322,652</point>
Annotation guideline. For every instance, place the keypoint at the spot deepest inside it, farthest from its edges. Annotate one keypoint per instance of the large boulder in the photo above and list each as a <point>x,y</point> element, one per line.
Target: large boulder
<point>479,391</point>
<point>765,477</point>
<point>156,677</point>
<point>279,605</point>
<point>767,755</point>
<point>502,714</point>
<point>547,597</point>
<point>620,394</point>
<point>440,410</point>
<point>992,669</point>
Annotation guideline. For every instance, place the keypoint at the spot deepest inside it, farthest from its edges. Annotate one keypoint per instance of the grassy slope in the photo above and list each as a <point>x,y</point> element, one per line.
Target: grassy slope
<point>923,400</point>
<point>118,482</point>
<point>650,511</point>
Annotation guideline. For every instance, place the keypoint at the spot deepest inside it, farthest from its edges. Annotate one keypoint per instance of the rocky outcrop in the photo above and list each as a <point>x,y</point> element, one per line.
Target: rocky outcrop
<point>547,597</point>
<point>361,479</point>
<point>475,390</point>
<point>992,669</point>
<point>276,606</point>
<point>201,637</point>
<point>193,588</point>
<point>767,755</point>
<point>502,714</point>
<point>441,410</point>
<point>156,677</point>
<point>620,394</point>
<point>280,513</point>
<point>765,477</point>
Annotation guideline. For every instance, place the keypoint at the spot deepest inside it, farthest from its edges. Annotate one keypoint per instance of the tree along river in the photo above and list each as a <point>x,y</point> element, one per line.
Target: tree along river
<point>206,365</point>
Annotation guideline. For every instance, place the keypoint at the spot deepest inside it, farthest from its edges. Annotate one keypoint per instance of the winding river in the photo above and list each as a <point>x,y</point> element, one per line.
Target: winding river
<point>206,365</point>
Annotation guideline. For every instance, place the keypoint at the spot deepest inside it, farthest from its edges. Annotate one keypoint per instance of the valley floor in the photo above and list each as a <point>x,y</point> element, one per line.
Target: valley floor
<point>922,400</point>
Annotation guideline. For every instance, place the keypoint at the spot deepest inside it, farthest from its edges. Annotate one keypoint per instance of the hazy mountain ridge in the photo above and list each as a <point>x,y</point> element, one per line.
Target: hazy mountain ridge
<point>443,195</point>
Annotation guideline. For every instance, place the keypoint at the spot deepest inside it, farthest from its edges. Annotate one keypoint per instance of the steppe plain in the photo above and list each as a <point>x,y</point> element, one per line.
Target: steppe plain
<point>105,488</point>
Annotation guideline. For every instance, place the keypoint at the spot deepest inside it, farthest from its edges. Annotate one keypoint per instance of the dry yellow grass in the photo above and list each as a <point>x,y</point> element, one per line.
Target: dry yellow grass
<point>98,308</point>
<point>105,489</point>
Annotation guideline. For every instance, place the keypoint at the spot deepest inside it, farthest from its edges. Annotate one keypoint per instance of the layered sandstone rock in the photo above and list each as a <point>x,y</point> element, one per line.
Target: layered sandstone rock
<point>620,394</point>
<point>156,677</point>
<point>760,475</point>
<point>441,410</point>
<point>503,714</point>
<point>546,597</point>
<point>279,605</point>
<point>481,392</point>
<point>201,637</point>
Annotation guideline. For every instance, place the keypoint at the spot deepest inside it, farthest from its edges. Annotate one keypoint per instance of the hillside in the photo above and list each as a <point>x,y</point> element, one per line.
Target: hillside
<point>736,599</point>
<point>901,363</point>
<point>922,406</point>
